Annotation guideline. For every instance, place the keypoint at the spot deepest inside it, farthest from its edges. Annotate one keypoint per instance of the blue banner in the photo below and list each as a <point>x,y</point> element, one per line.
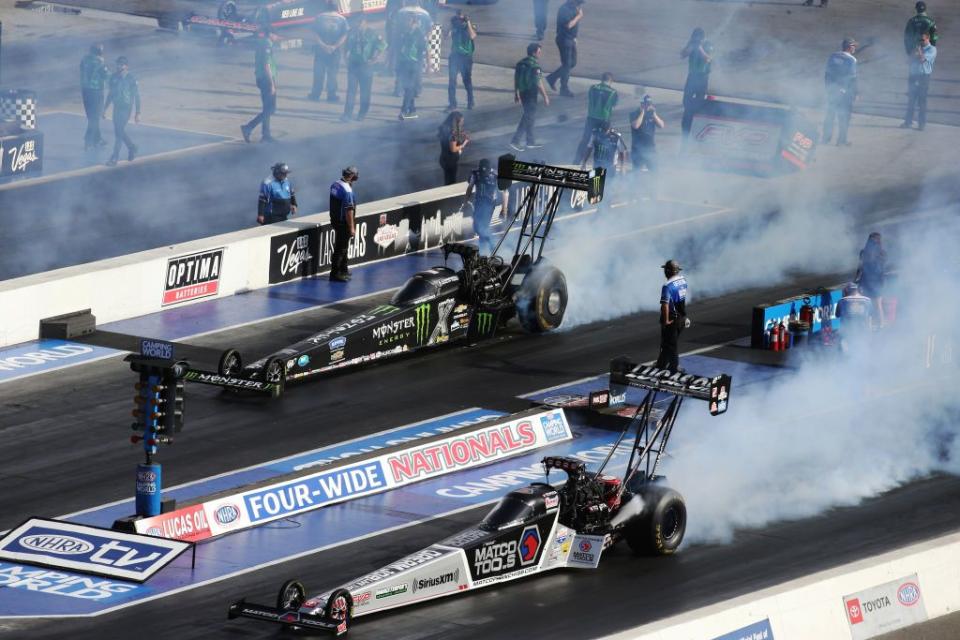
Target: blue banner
<point>756,631</point>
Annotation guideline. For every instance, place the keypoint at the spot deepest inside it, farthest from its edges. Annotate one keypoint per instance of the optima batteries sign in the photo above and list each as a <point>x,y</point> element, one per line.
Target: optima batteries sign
<point>192,276</point>
<point>102,552</point>
<point>466,448</point>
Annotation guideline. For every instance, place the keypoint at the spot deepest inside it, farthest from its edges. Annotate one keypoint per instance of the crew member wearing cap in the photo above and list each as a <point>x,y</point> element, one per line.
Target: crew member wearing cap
<point>125,97</point>
<point>93,79</point>
<point>840,80</point>
<point>277,198</point>
<point>343,209</point>
<point>673,315</point>
<point>485,191</point>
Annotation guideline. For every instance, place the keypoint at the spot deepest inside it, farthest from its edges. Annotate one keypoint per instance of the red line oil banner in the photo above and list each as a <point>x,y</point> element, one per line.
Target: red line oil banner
<point>885,607</point>
<point>756,631</point>
<point>86,549</point>
<point>467,448</point>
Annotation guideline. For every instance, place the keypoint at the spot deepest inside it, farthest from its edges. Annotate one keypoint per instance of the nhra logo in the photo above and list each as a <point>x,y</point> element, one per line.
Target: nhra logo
<point>226,514</point>
<point>585,546</point>
<point>57,544</point>
<point>908,594</point>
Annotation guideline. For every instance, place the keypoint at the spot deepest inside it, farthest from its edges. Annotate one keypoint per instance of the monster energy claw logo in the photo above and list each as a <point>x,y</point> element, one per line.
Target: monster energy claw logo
<point>423,322</point>
<point>484,322</point>
<point>596,184</point>
<point>383,310</point>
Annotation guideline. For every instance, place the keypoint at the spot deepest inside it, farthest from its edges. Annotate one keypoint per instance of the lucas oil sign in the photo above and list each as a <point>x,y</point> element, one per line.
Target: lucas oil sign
<point>75,547</point>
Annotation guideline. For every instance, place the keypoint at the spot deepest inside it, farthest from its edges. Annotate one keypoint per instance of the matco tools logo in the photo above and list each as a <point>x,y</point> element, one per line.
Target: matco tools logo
<point>484,322</point>
<point>422,317</point>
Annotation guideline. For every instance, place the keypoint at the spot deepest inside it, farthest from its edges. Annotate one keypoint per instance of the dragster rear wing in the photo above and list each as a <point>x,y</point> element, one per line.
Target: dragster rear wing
<point>624,373</point>
<point>509,168</point>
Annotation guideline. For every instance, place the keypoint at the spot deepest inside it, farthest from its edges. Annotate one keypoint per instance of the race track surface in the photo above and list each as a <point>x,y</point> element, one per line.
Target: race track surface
<point>77,441</point>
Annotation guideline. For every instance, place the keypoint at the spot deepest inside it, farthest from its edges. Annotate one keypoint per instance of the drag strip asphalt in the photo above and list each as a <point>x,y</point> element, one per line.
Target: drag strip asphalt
<point>78,441</point>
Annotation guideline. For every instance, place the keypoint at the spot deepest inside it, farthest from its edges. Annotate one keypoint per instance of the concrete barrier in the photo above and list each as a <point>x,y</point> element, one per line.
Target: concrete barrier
<point>858,600</point>
<point>219,266</point>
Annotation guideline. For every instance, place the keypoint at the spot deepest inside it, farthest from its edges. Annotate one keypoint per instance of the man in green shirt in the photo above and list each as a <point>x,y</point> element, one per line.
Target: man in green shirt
<point>699,54</point>
<point>916,27</point>
<point>601,100</point>
<point>410,54</point>
<point>527,85</point>
<point>125,97</point>
<point>265,72</point>
<point>93,79</point>
<point>364,47</point>
<point>462,45</point>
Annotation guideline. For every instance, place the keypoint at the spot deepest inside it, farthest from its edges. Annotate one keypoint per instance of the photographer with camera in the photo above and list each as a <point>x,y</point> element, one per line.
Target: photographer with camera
<point>644,123</point>
<point>463,35</point>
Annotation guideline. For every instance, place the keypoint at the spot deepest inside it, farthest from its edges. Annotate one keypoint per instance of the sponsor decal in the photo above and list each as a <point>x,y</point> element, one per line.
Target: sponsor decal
<point>422,317</point>
<point>394,331</point>
<point>586,551</point>
<point>23,155</point>
<point>193,276</point>
<point>908,594</point>
<point>287,14</point>
<point>336,356</point>
<point>294,255</point>
<point>554,426</point>
<point>883,608</point>
<point>226,514</point>
<point>226,381</point>
<point>384,310</point>
<point>464,538</point>
<point>459,451</point>
<point>356,321</point>
<point>756,631</point>
<point>65,545</point>
<point>441,332</point>
<point>62,584</point>
<point>405,564</point>
<point>507,553</point>
<point>158,349</point>
<point>303,360</point>
<point>484,322</point>
<point>45,358</point>
<point>189,524</point>
<point>310,493</point>
<point>337,343</point>
<point>450,577</point>
<point>394,590</point>
<point>361,598</point>
<point>386,235</point>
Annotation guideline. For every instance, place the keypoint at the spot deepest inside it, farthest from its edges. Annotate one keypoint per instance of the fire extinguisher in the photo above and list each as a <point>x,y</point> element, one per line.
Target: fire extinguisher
<point>806,312</point>
<point>775,338</point>
<point>784,337</point>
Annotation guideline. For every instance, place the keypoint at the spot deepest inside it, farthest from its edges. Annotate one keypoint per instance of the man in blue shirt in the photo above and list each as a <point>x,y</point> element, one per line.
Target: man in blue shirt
<point>125,97</point>
<point>540,17</point>
<point>277,198</point>
<point>568,24</point>
<point>331,29</point>
<point>918,83</point>
<point>343,209</point>
<point>673,315</point>
<point>840,81</point>
<point>93,80</point>
<point>482,185</point>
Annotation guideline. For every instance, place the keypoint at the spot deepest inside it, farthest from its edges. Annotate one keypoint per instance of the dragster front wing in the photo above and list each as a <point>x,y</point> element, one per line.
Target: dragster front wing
<point>244,609</point>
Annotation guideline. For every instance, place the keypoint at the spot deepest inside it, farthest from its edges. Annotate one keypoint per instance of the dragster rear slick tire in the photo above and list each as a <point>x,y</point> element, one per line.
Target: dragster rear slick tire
<point>542,299</point>
<point>275,372</point>
<point>230,364</point>
<point>659,529</point>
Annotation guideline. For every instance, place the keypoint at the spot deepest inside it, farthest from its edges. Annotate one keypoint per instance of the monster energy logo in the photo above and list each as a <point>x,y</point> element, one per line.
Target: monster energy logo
<point>423,322</point>
<point>484,322</point>
<point>597,179</point>
<point>383,310</point>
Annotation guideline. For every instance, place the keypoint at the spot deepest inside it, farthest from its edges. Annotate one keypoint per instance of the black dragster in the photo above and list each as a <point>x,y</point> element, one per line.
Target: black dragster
<point>440,305</point>
<point>535,529</point>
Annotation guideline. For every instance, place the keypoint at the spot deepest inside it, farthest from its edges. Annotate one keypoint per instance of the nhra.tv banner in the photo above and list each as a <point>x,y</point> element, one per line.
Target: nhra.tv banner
<point>466,448</point>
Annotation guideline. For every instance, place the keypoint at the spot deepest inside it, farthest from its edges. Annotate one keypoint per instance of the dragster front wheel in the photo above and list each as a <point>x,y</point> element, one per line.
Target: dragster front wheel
<point>230,363</point>
<point>291,597</point>
<point>275,372</point>
<point>659,529</point>
<point>542,299</point>
<point>339,610</point>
